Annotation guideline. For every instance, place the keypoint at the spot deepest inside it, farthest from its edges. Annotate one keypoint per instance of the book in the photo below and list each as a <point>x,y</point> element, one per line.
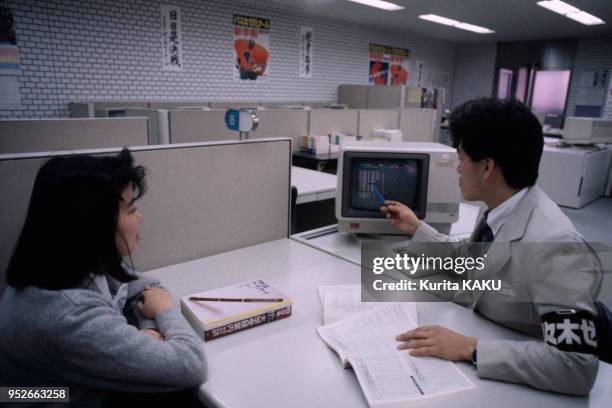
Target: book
<point>214,319</point>
<point>390,378</point>
<point>342,301</point>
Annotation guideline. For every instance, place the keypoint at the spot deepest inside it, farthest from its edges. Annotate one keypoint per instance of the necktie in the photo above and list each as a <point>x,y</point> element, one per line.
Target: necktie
<point>484,233</point>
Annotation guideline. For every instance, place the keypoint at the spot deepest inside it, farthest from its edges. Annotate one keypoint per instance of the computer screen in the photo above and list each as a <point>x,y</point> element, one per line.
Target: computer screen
<point>370,178</point>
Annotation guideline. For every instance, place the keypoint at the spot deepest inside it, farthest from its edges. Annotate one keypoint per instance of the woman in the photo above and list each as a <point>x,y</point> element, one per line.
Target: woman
<point>74,314</point>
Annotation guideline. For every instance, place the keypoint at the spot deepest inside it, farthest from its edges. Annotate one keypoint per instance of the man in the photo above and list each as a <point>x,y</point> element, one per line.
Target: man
<point>550,276</point>
<point>251,58</point>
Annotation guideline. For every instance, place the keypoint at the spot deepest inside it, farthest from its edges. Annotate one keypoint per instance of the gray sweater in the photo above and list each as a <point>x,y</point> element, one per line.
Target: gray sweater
<point>82,339</point>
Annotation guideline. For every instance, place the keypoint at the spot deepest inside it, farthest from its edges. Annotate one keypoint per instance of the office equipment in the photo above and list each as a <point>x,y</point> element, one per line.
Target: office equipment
<point>389,377</point>
<point>587,130</point>
<point>218,312</point>
<point>370,119</point>
<point>420,175</point>
<point>390,135</point>
<point>574,176</point>
<point>42,135</point>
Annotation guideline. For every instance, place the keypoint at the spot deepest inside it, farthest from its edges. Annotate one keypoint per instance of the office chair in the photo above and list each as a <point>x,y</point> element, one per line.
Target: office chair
<point>294,193</point>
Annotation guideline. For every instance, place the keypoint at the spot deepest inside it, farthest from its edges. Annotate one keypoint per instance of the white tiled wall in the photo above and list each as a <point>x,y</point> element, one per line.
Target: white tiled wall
<point>474,71</point>
<point>591,54</point>
<point>75,50</point>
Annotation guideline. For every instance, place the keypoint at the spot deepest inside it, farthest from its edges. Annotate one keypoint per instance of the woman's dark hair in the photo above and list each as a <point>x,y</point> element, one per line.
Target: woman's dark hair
<point>71,223</point>
<point>503,130</point>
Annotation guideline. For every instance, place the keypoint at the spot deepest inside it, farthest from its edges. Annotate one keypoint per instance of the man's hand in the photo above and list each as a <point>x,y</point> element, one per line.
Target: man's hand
<point>153,301</point>
<point>401,216</point>
<point>153,333</point>
<point>439,342</point>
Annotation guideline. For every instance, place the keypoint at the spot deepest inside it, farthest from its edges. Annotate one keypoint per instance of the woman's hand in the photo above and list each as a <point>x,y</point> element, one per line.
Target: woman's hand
<point>153,333</point>
<point>153,301</point>
<point>439,342</point>
<point>401,216</point>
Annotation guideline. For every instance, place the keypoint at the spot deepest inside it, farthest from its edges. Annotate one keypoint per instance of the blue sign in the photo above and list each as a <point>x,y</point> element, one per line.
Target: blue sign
<point>232,119</point>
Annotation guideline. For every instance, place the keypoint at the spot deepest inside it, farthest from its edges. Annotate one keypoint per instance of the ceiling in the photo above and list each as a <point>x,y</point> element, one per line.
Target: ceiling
<point>512,20</point>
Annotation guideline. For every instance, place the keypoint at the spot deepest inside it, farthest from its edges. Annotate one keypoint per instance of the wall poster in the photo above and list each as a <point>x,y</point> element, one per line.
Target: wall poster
<point>172,40</point>
<point>305,52</point>
<point>388,65</point>
<point>251,46</point>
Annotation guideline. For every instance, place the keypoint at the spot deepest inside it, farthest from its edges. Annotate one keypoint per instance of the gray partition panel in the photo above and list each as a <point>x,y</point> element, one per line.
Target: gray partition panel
<point>417,125</point>
<point>370,119</point>
<point>199,126</point>
<point>202,199</point>
<point>282,123</point>
<point>384,97</point>
<point>81,110</point>
<point>354,96</point>
<point>41,135</point>
<point>153,116</point>
<point>177,105</point>
<point>326,121</point>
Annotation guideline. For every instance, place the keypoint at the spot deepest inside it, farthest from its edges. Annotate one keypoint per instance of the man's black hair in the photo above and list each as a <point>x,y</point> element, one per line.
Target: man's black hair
<point>503,130</point>
<point>70,228</point>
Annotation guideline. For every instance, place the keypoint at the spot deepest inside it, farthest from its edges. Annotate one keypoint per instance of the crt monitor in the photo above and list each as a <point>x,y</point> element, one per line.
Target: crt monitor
<point>420,175</point>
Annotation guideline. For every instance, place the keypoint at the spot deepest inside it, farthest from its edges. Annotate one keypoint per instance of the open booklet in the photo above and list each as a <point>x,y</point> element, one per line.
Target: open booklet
<point>389,377</point>
<point>342,301</point>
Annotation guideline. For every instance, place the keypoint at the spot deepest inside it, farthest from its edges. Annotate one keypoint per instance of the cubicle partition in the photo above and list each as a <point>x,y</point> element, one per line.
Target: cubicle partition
<point>202,199</point>
<point>326,121</point>
<point>418,125</point>
<point>370,119</point>
<point>38,135</point>
<point>158,123</point>
<point>282,123</point>
<point>102,109</point>
<point>198,126</point>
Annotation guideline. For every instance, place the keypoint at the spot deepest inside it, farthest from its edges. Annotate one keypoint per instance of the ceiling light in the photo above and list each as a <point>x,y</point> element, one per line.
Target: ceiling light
<point>474,28</point>
<point>438,19</point>
<point>585,18</point>
<point>385,5</point>
<point>454,23</point>
<point>570,11</point>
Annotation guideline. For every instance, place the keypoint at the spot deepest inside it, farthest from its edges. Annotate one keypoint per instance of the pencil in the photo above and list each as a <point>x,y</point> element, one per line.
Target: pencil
<point>210,299</point>
<point>380,196</point>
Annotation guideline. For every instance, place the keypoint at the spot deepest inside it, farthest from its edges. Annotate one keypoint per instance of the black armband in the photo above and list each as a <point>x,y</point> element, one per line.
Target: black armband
<point>570,330</point>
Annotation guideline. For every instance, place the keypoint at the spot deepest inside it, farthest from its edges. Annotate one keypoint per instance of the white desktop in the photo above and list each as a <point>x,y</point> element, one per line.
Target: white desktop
<point>421,175</point>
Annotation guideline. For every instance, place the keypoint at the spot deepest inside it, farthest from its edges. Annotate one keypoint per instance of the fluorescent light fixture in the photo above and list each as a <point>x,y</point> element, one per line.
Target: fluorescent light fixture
<point>439,20</point>
<point>585,18</point>
<point>474,28</point>
<point>558,7</point>
<point>385,5</point>
<point>570,11</point>
<point>454,23</point>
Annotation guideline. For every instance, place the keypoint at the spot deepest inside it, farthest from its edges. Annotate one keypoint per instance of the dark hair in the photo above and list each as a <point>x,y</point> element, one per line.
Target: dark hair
<point>503,130</point>
<point>71,223</point>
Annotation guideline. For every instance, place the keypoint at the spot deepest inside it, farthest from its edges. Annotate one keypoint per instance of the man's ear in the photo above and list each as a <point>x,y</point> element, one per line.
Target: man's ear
<point>489,167</point>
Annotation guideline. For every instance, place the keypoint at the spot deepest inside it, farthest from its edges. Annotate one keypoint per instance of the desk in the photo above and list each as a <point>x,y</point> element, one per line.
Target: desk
<point>316,200</point>
<point>285,363</point>
<point>320,162</point>
<point>313,185</point>
<point>345,245</point>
